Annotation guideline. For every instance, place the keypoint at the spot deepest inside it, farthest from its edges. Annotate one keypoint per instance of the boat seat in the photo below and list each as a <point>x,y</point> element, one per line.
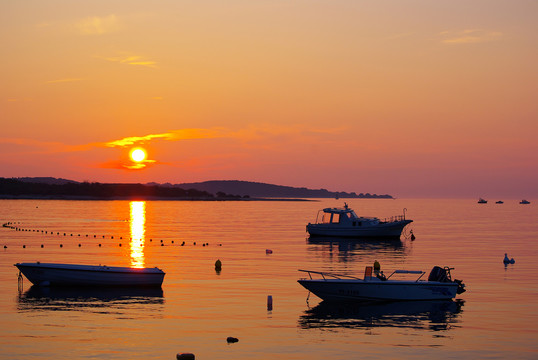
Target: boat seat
<point>368,272</point>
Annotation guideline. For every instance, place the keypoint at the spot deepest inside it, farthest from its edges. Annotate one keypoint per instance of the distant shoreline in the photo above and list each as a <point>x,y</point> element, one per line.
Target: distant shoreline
<point>215,190</point>
<point>139,198</point>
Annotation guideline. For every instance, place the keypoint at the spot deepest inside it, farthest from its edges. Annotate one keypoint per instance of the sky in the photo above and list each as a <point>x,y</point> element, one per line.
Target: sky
<point>409,98</point>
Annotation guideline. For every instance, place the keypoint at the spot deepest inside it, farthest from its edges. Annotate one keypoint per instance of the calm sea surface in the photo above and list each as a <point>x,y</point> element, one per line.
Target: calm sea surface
<point>197,308</point>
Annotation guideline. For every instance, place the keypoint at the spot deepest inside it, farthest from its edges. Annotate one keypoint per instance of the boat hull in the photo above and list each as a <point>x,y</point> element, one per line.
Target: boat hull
<point>390,290</point>
<point>383,230</point>
<point>86,275</point>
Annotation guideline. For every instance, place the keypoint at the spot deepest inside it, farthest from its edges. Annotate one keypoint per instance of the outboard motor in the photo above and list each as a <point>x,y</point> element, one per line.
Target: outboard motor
<point>443,275</point>
<point>461,286</point>
<point>438,274</point>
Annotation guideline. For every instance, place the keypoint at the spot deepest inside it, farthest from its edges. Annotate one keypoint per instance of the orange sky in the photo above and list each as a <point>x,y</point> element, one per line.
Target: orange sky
<point>410,98</point>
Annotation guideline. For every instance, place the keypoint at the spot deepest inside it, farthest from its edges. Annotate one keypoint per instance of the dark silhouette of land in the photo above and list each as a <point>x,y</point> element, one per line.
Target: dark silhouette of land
<point>256,189</point>
<point>54,188</point>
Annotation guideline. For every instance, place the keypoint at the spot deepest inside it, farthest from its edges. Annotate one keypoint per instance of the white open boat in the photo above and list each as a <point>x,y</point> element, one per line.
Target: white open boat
<point>343,222</point>
<point>330,286</point>
<point>45,274</point>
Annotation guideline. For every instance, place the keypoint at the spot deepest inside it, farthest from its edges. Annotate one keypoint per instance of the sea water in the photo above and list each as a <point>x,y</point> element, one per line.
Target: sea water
<point>199,307</point>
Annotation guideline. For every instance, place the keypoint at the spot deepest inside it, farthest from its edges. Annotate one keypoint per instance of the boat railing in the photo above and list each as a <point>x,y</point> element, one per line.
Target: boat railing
<point>324,275</point>
<point>417,272</point>
<point>393,218</point>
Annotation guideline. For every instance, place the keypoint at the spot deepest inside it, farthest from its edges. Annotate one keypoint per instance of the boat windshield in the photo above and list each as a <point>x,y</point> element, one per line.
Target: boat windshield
<point>330,218</point>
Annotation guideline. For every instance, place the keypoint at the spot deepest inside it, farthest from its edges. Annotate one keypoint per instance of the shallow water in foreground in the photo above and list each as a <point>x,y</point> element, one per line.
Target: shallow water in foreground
<point>197,308</point>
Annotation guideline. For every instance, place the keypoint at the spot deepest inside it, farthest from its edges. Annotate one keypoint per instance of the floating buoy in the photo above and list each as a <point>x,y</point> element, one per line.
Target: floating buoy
<point>41,245</point>
<point>269,302</point>
<point>99,245</point>
<point>79,245</point>
<point>194,243</point>
<point>5,246</point>
<point>412,235</point>
<point>24,246</point>
<point>218,265</point>
<point>60,245</point>
<point>268,251</point>
<point>185,356</point>
<point>230,339</point>
<point>506,260</point>
<point>120,244</point>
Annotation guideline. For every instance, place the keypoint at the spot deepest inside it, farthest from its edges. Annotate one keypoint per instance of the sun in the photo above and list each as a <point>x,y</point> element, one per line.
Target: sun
<point>138,155</point>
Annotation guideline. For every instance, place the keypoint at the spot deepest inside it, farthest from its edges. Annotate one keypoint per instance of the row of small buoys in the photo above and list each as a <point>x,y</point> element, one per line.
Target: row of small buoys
<point>80,245</point>
<point>10,225</point>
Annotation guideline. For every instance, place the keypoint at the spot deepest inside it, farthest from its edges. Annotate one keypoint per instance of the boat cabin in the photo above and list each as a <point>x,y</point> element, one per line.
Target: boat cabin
<point>343,216</point>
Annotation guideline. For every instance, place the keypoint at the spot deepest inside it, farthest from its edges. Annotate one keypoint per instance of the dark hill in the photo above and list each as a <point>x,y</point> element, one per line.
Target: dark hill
<point>256,189</point>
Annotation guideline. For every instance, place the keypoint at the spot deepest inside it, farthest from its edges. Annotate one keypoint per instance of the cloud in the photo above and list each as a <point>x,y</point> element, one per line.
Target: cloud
<point>470,36</point>
<point>64,80</point>
<point>126,165</point>
<point>132,60</point>
<point>98,25</point>
<point>174,135</point>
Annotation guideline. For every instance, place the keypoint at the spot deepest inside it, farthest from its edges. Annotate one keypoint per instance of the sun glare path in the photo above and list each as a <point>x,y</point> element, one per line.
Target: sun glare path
<point>138,233</point>
<point>138,155</point>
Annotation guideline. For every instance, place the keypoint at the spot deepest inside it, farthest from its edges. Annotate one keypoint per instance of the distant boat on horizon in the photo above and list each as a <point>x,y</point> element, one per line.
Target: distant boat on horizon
<point>499,202</point>
<point>482,201</point>
<point>524,202</point>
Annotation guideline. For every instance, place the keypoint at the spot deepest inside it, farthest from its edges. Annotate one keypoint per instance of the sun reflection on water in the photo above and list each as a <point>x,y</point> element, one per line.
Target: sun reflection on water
<point>138,232</point>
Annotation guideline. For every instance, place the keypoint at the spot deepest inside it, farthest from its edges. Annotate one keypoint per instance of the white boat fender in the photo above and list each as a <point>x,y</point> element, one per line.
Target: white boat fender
<point>185,356</point>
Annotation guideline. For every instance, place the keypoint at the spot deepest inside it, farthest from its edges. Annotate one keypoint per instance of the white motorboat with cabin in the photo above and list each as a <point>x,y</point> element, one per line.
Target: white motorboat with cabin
<point>46,274</point>
<point>330,286</point>
<point>344,222</point>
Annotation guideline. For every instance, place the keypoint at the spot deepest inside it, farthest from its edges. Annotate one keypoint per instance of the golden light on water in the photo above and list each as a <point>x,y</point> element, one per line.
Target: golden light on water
<point>138,232</point>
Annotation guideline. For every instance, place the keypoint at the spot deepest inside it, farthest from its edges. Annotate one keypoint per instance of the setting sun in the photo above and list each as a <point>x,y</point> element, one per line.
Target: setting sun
<point>138,155</point>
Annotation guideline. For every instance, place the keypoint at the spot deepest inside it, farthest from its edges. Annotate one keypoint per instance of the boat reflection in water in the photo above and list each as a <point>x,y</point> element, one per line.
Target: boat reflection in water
<point>90,299</point>
<point>345,249</point>
<point>436,315</point>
